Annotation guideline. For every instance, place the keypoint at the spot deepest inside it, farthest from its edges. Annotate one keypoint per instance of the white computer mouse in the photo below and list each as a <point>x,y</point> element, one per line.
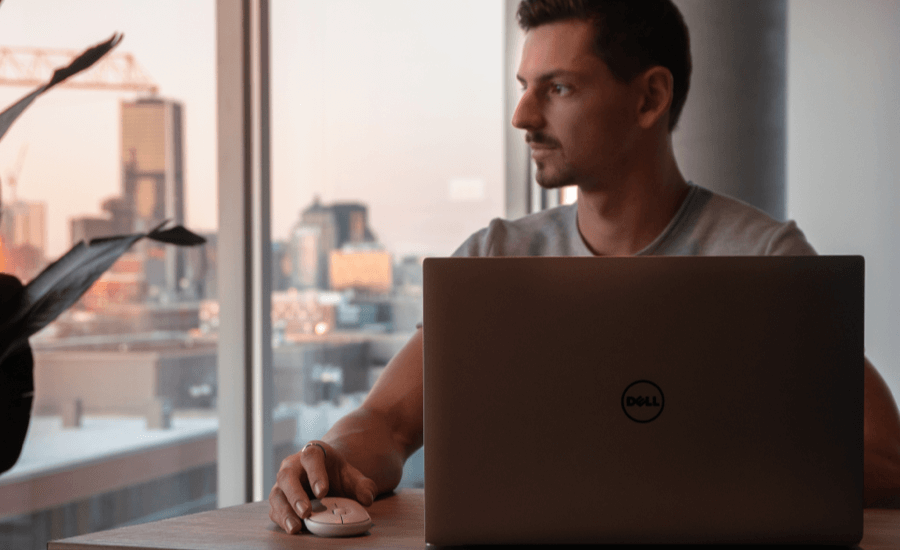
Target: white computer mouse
<point>337,517</point>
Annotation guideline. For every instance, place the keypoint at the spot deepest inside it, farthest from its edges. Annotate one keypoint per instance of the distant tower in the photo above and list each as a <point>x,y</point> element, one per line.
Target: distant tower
<point>25,223</point>
<point>320,231</point>
<point>351,220</point>
<point>153,184</point>
<point>23,232</point>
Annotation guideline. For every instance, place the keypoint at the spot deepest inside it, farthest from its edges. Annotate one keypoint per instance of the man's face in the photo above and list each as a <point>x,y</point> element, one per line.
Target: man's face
<point>579,119</point>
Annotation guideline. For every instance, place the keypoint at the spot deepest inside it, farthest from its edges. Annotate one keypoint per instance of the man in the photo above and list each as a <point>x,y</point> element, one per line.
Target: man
<point>603,86</point>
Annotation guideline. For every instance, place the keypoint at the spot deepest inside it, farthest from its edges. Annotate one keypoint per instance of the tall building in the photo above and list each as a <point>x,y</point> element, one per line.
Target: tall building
<point>303,255</point>
<point>118,221</point>
<point>352,224</point>
<point>201,269</point>
<point>23,233</point>
<point>153,185</point>
<point>320,231</point>
<point>88,228</point>
<point>312,240</point>
<point>361,268</point>
<point>23,223</point>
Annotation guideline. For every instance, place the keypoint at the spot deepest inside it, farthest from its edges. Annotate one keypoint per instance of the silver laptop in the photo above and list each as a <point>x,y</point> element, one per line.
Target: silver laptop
<point>643,400</point>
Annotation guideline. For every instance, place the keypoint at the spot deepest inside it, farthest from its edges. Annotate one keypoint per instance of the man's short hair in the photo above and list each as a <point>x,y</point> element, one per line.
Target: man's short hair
<point>630,36</point>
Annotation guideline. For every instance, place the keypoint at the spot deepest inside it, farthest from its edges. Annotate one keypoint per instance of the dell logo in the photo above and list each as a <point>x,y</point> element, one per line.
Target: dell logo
<point>649,401</point>
<point>643,401</point>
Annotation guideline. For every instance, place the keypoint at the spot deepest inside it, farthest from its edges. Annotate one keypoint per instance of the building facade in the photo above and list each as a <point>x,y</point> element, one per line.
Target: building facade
<point>153,186</point>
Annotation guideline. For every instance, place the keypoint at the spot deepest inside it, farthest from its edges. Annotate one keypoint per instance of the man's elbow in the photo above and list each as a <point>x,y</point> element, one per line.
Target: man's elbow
<point>881,472</point>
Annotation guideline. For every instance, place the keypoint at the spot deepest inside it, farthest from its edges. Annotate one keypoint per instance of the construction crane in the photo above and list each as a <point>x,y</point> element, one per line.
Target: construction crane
<point>12,177</point>
<point>23,66</point>
<point>20,66</point>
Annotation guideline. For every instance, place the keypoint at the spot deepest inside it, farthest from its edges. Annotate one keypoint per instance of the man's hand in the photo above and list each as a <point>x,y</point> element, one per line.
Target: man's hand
<point>376,438</point>
<point>318,470</point>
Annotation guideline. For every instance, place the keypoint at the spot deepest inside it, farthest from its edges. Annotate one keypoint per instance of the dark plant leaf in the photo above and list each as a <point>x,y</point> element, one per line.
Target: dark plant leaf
<point>12,292</point>
<point>59,286</point>
<point>177,235</point>
<point>12,112</point>
<point>83,61</point>
<point>64,281</point>
<point>101,240</point>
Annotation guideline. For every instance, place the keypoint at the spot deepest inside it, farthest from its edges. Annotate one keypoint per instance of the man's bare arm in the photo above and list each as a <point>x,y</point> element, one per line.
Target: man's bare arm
<point>363,454</point>
<point>882,442</point>
<point>394,409</point>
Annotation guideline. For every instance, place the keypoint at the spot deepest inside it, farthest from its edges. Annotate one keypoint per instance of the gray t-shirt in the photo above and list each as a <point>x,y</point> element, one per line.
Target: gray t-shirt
<point>706,224</point>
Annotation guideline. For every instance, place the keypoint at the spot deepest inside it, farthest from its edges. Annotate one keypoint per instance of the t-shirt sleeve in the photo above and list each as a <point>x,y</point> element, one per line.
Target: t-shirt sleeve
<point>473,246</point>
<point>789,240</point>
<point>481,243</point>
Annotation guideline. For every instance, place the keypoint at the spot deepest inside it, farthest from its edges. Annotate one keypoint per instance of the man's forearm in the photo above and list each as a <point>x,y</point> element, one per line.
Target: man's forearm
<point>366,441</point>
<point>386,429</point>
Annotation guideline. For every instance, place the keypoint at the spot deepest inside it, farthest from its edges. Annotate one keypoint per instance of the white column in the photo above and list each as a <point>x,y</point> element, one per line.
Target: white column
<point>732,135</point>
<point>245,470</point>
<point>844,145</point>
<point>517,155</point>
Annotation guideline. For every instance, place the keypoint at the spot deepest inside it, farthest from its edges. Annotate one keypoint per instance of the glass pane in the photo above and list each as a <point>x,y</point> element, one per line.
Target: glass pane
<point>387,148</point>
<point>124,423</point>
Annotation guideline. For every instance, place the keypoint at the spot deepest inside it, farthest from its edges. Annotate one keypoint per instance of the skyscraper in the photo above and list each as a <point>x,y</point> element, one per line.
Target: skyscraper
<point>24,223</point>
<point>153,184</point>
<point>23,234</point>
<point>321,230</point>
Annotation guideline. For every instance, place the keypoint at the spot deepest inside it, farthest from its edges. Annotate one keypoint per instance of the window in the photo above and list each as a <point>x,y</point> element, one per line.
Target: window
<point>387,136</point>
<point>124,424</point>
<point>387,133</point>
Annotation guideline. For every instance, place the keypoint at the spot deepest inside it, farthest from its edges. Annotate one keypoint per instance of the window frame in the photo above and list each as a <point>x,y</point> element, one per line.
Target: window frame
<point>245,386</point>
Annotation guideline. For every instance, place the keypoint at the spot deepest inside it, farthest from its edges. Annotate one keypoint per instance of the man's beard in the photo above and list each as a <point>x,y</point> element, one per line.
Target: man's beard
<point>564,177</point>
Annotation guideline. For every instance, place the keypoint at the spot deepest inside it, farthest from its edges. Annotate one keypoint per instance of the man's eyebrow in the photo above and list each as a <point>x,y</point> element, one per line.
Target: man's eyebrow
<point>548,76</point>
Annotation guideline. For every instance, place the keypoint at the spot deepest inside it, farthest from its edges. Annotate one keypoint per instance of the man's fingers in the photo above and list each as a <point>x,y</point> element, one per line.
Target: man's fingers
<point>282,513</point>
<point>289,481</point>
<point>313,458</point>
<point>365,489</point>
<point>358,486</point>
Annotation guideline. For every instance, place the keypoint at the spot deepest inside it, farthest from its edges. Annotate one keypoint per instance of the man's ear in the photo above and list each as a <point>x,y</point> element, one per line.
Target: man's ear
<point>655,87</point>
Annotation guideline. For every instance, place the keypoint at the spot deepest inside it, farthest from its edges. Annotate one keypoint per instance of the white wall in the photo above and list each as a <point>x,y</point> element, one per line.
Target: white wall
<point>843,161</point>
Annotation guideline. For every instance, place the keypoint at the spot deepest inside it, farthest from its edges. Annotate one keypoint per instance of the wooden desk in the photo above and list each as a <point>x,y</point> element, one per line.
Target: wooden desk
<point>399,523</point>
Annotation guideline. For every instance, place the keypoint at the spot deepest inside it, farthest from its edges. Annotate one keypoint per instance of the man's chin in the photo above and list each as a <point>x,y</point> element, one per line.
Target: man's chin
<point>551,185</point>
<point>549,180</point>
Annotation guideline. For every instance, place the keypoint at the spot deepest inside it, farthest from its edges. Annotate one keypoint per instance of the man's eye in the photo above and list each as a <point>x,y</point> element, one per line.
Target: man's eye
<point>559,89</point>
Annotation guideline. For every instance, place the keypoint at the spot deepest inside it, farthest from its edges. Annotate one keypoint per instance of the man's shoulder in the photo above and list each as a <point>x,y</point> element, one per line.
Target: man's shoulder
<point>717,225</point>
<point>551,232</point>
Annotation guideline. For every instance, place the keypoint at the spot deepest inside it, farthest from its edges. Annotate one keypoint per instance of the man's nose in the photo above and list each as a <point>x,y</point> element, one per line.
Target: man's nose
<point>527,115</point>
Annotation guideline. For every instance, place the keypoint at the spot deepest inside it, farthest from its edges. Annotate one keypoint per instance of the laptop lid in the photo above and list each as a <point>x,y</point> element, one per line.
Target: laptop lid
<point>643,400</point>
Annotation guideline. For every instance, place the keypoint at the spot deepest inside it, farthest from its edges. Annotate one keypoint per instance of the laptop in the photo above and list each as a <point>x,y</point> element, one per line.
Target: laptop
<point>643,400</point>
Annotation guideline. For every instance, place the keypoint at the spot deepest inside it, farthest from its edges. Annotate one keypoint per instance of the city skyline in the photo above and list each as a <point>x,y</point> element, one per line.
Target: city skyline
<point>343,128</point>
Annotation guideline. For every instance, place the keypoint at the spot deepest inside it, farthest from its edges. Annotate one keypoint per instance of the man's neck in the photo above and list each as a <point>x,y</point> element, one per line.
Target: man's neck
<point>622,219</point>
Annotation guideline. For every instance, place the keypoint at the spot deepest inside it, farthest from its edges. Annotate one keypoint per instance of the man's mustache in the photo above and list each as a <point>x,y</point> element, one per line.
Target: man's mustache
<point>540,138</point>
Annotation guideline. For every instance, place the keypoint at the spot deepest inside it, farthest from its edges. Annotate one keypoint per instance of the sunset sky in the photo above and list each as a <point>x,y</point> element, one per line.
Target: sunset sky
<point>396,104</point>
